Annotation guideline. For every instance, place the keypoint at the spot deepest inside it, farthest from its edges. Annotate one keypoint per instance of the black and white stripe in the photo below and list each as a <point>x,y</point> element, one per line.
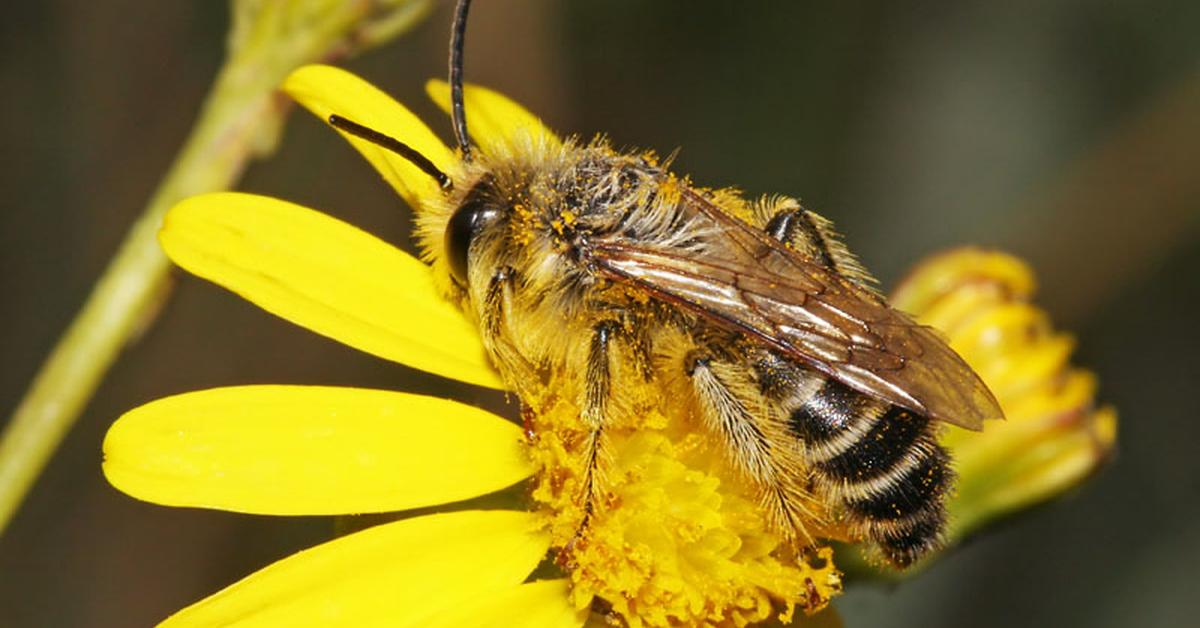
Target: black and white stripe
<point>880,463</point>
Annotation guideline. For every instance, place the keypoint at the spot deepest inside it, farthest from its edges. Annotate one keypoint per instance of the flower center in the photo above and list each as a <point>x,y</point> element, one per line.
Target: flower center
<point>675,536</point>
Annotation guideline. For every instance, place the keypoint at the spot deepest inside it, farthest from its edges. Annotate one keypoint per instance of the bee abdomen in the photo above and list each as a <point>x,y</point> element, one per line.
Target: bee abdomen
<point>878,452</point>
<point>881,464</point>
<point>830,421</point>
<point>917,488</point>
<point>906,545</point>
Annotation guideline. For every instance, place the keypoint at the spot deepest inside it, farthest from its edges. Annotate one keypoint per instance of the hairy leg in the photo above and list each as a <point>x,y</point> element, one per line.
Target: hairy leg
<point>813,236</point>
<point>757,445</point>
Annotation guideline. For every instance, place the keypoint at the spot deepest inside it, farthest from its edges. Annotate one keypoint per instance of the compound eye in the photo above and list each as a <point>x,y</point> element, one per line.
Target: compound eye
<point>465,224</point>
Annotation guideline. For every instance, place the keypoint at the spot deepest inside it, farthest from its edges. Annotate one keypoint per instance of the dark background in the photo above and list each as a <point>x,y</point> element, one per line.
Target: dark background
<point>1065,131</point>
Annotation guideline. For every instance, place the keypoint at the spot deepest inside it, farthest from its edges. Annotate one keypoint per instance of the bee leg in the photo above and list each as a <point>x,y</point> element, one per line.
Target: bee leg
<point>595,406</point>
<point>813,236</point>
<point>755,446</point>
<point>796,227</point>
<point>594,412</point>
<point>495,306</point>
<point>632,327</point>
<point>634,332</point>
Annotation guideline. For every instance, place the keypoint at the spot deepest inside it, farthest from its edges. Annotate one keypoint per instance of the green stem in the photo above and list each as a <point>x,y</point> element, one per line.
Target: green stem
<point>240,120</point>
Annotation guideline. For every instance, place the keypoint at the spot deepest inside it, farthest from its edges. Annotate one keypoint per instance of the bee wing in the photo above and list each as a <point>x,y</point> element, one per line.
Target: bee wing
<point>747,282</point>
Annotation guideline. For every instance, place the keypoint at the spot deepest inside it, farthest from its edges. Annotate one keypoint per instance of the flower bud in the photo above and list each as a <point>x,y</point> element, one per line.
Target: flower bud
<point>1054,436</point>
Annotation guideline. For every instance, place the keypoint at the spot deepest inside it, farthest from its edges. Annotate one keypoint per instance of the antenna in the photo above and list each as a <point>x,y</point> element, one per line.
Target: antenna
<point>390,143</point>
<point>458,31</point>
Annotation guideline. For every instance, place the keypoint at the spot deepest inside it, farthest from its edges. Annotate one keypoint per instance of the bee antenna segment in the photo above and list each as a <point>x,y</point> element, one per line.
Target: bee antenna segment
<point>392,144</point>
<point>458,31</point>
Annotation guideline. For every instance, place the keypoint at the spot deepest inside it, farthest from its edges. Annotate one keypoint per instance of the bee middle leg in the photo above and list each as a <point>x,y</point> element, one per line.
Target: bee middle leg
<point>628,330</point>
<point>595,405</point>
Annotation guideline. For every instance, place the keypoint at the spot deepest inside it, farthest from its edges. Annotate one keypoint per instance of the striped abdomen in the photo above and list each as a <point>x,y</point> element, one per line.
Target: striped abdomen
<point>880,463</point>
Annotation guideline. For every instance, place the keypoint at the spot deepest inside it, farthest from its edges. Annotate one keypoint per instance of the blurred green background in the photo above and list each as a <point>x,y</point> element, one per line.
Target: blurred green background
<point>1066,131</point>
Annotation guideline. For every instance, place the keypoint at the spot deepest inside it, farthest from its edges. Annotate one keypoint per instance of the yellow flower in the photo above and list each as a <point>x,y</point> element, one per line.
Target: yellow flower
<point>679,538</point>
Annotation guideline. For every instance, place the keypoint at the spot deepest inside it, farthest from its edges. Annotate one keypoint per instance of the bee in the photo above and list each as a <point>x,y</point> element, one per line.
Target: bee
<point>576,258</point>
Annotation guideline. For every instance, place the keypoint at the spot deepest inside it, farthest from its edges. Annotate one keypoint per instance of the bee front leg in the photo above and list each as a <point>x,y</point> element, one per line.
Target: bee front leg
<point>756,445</point>
<point>520,372</point>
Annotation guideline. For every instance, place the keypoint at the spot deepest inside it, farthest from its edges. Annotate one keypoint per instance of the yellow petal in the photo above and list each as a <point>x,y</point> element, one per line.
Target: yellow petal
<point>950,271</point>
<point>1003,329</point>
<point>542,604</point>
<point>1036,471</point>
<point>390,575</point>
<point>953,310</point>
<point>310,450</point>
<point>1015,377</point>
<point>326,90</point>
<point>493,117</point>
<point>328,276</point>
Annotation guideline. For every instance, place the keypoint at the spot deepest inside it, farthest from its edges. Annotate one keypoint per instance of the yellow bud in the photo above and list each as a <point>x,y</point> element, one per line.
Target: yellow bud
<point>1054,435</point>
